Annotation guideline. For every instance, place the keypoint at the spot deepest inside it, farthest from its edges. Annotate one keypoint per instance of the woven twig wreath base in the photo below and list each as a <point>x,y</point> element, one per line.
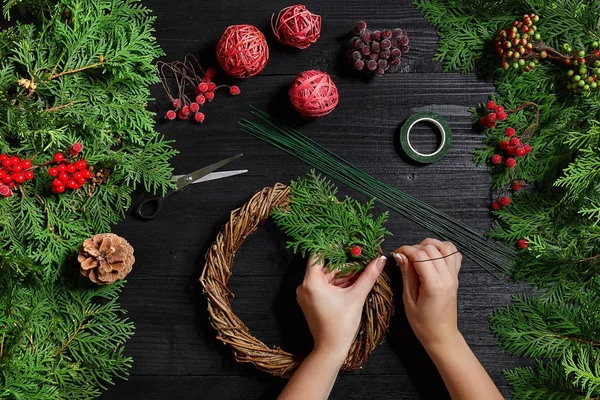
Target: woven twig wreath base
<point>231,330</point>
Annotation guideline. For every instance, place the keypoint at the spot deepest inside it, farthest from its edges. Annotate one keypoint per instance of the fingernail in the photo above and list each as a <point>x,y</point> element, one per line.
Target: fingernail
<point>381,262</point>
<point>399,259</point>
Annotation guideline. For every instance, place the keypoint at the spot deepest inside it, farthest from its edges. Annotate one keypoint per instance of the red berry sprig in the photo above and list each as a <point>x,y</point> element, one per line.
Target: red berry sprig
<point>68,175</point>
<point>13,171</point>
<point>494,114</point>
<point>356,251</point>
<point>195,88</point>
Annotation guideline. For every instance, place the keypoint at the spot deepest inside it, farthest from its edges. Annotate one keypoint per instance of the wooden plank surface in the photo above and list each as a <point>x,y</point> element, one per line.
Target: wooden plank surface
<point>175,352</point>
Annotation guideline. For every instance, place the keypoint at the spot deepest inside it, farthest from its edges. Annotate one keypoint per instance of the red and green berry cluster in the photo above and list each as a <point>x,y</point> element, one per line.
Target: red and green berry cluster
<point>516,44</point>
<point>204,92</point>
<point>377,52</point>
<point>494,114</point>
<point>584,68</point>
<point>13,171</point>
<point>68,175</point>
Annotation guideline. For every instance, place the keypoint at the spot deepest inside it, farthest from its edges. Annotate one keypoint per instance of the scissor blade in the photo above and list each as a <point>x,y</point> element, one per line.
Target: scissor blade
<point>194,176</point>
<point>216,175</point>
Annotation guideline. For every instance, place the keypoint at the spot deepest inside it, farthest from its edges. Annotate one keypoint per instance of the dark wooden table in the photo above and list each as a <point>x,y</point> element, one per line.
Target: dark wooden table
<point>175,352</point>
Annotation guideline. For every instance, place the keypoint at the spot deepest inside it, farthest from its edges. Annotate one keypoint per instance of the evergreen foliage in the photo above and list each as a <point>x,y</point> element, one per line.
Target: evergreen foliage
<point>92,63</point>
<point>320,224</point>
<point>559,214</point>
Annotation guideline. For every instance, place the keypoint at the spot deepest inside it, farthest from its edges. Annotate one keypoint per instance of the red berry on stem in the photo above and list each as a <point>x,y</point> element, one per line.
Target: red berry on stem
<point>63,177</point>
<point>71,184</point>
<point>522,244</point>
<point>234,90</point>
<point>81,181</point>
<point>181,115</point>
<point>77,176</point>
<point>211,72</point>
<point>503,145</point>
<point>58,188</point>
<point>356,251</point>
<point>6,162</point>
<point>81,164</point>
<point>71,168</point>
<point>26,164</point>
<point>58,157</point>
<point>510,162</point>
<point>56,182</point>
<point>504,201</point>
<point>527,149</point>
<point>185,110</point>
<point>492,117</point>
<point>28,175</point>
<point>202,87</point>
<point>86,173</point>
<point>15,160</point>
<point>171,115</point>
<point>209,96</point>
<point>510,132</point>
<point>516,185</point>
<point>176,104</point>
<point>514,141</point>
<point>502,116</point>
<point>496,159</point>
<point>3,157</point>
<point>491,105</point>
<point>194,107</point>
<point>6,179</point>
<point>61,167</point>
<point>512,150</point>
<point>200,99</point>
<point>5,191</point>
<point>199,117</point>
<point>496,205</point>
<point>520,152</point>
<point>18,178</point>
<point>76,148</point>
<point>211,87</point>
<point>17,168</point>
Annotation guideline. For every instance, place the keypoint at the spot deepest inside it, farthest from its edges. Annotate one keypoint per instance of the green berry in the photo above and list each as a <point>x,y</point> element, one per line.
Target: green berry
<point>581,83</point>
<point>570,72</point>
<point>590,79</point>
<point>594,85</point>
<point>586,87</point>
<point>581,53</point>
<point>577,78</point>
<point>597,63</point>
<point>515,65</point>
<point>537,36</point>
<point>521,62</point>
<point>582,70</point>
<point>531,64</point>
<point>595,44</point>
<point>543,54</point>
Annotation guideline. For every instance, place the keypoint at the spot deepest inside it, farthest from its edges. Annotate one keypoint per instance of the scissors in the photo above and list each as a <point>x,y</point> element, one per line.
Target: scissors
<point>149,208</point>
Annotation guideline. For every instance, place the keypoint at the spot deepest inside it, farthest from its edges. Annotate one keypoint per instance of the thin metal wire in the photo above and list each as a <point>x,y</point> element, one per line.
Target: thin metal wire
<point>438,258</point>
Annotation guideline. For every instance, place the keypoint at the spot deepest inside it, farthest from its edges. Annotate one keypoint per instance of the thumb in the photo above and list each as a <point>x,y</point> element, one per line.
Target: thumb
<point>410,278</point>
<point>367,279</point>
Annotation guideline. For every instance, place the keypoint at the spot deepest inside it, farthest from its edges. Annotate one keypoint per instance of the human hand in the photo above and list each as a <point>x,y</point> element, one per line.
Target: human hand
<point>333,305</point>
<point>430,290</point>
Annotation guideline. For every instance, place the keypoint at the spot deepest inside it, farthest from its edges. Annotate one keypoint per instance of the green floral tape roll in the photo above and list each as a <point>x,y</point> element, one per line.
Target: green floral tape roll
<point>439,122</point>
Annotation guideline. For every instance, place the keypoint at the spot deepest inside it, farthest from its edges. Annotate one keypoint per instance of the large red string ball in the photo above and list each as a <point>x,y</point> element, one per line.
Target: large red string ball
<point>242,51</point>
<point>296,26</point>
<point>313,94</point>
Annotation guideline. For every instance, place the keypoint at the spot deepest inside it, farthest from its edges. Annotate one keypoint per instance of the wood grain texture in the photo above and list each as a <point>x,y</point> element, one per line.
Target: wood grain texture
<point>175,353</point>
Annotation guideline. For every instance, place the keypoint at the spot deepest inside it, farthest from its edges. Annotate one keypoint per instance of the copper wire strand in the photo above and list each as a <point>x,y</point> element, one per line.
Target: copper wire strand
<point>437,258</point>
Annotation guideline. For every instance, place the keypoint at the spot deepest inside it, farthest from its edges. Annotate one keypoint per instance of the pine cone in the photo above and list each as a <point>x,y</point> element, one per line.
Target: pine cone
<point>105,258</point>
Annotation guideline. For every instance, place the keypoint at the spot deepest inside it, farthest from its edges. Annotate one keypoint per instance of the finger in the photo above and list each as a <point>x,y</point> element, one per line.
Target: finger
<point>368,277</point>
<point>410,278</point>
<point>314,267</point>
<point>437,259</point>
<point>448,251</point>
<point>345,279</point>
<point>331,275</point>
<point>426,271</point>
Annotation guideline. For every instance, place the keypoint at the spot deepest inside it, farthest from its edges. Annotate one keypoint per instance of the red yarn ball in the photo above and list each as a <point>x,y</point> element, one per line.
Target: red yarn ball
<point>296,26</point>
<point>242,51</point>
<point>313,94</point>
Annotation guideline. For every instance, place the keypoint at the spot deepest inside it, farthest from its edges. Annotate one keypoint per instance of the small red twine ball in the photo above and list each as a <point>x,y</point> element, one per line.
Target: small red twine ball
<point>242,51</point>
<point>313,94</point>
<point>296,26</point>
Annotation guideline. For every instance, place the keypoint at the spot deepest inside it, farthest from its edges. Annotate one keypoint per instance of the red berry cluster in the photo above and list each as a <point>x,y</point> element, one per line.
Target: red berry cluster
<point>355,251</point>
<point>495,113</point>
<point>68,175</point>
<point>512,147</point>
<point>185,107</point>
<point>13,171</point>
<point>515,45</point>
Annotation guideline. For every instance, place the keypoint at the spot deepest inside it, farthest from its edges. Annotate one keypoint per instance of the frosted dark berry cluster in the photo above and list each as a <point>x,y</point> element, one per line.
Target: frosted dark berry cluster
<point>379,51</point>
<point>189,88</point>
<point>516,44</point>
<point>13,171</point>
<point>68,174</point>
<point>584,68</point>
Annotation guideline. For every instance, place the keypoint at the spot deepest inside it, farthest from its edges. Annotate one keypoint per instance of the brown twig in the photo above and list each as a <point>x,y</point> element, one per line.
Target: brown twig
<point>61,106</point>
<point>2,344</point>
<point>593,344</point>
<point>33,347</point>
<point>82,327</point>
<point>529,131</point>
<point>73,71</point>
<point>589,258</point>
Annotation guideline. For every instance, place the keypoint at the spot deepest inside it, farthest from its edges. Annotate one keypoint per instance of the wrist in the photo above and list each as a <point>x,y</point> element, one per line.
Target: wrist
<point>438,347</point>
<point>332,354</point>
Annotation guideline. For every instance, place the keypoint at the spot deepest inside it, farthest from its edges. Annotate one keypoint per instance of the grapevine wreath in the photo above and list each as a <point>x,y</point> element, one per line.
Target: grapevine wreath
<point>231,330</point>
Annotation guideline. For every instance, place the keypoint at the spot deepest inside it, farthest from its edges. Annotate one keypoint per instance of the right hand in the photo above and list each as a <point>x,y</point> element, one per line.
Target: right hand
<point>430,290</point>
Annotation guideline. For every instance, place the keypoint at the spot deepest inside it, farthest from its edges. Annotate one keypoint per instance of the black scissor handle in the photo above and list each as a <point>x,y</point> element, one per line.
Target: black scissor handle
<point>149,208</point>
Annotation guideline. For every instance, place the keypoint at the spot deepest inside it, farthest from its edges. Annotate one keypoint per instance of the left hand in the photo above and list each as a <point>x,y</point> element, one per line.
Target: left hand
<point>333,306</point>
